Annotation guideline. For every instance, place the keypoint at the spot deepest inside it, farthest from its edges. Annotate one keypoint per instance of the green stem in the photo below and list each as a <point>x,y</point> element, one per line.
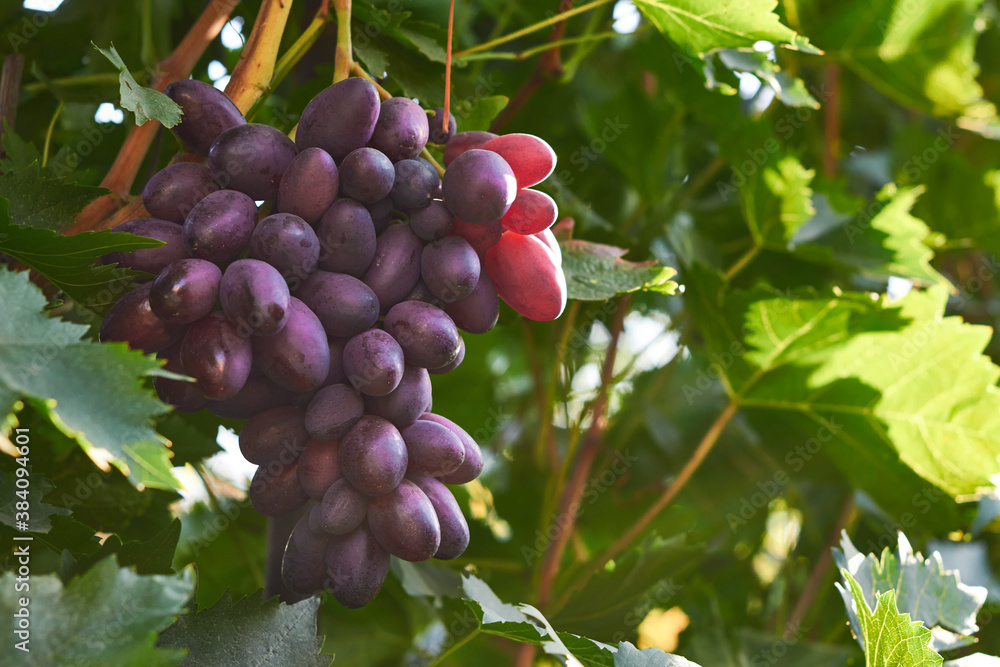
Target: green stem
<point>742,262</point>
<point>426,154</point>
<point>454,647</point>
<point>86,80</point>
<point>561,16</point>
<point>527,53</point>
<point>357,70</point>
<point>48,134</point>
<point>344,57</point>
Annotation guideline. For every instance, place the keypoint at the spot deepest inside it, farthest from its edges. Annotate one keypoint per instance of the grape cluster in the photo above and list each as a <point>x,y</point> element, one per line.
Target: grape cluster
<point>321,322</point>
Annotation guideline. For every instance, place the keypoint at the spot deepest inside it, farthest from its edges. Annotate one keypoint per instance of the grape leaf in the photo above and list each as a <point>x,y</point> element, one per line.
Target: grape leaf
<point>923,589</point>
<point>18,153</point>
<point>701,26</point>
<point>92,392</point>
<point>146,103</point>
<point>106,616</point>
<point>779,202</point>
<point>790,90</point>
<point>153,556</point>
<point>476,113</point>
<point>39,513</point>
<point>888,637</point>
<point>42,202</point>
<point>253,631</point>
<point>69,261</point>
<point>629,656</point>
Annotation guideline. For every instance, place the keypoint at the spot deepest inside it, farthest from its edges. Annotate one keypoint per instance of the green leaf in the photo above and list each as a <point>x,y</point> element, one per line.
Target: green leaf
<point>43,202</point>
<point>888,637</point>
<point>476,113</point>
<point>935,597</point>
<point>18,153</point>
<point>146,103</point>
<point>155,556</point>
<point>69,262</point>
<point>595,272</point>
<point>778,202</point>
<point>106,616</point>
<point>629,656</point>
<point>93,392</point>
<point>254,631</point>
<point>790,90</point>
<point>701,26</point>
<point>39,513</point>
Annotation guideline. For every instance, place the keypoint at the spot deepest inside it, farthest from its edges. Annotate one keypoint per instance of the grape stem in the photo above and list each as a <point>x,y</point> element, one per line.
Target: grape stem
<point>344,58</point>
<point>527,53</point>
<point>357,70</point>
<point>10,82</point>
<point>447,68</point>
<point>253,72</point>
<point>178,65</point>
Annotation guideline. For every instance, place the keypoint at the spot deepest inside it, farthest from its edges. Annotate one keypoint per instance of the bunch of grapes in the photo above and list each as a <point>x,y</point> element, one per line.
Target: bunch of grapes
<point>321,322</point>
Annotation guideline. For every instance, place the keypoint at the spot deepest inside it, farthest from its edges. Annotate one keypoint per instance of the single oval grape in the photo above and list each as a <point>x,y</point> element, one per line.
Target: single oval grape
<point>346,238</point>
<point>432,222</point>
<point>297,357</point>
<point>454,527</point>
<point>395,269</point>
<point>403,405</point>
<point>552,244</point>
<point>438,134</point>
<point>333,411</point>
<point>185,291</point>
<point>289,244</point>
<point>251,159</point>
<point>367,175</point>
<point>404,523</point>
<point>150,260</point>
<point>526,278</point>
<point>342,509</point>
<point>450,268</point>
<point>133,321</point>
<point>257,395</point>
<point>217,356</point>
<point>415,185</point>
<point>432,449</point>
<point>356,565</point>
<point>478,312</point>
<point>426,334</point>
<point>275,489</point>
<point>465,141</point>
<point>319,467</point>
<point>255,298</point>
<point>303,565</point>
<point>373,456</point>
<point>479,187</point>
<point>183,396</point>
<point>531,213</point>
<point>401,131</point>
<point>373,362</point>
<point>340,118</point>
<point>309,185</point>
<point>278,434</point>
<point>530,157</point>
<point>456,362</point>
<point>208,112</point>
<point>345,305</point>
<point>480,237</point>
<point>174,190</point>
<point>472,464</point>
<point>219,226</point>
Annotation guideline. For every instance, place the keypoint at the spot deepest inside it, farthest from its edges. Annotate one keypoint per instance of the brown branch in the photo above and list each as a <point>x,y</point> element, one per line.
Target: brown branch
<point>252,74</point>
<point>565,519</point>
<point>831,121</point>
<point>344,55</point>
<point>10,82</point>
<point>177,66</point>
<point>525,655</point>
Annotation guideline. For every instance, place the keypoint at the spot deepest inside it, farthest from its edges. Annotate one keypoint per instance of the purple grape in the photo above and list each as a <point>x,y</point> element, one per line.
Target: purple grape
<point>472,465</point>
<point>340,118</point>
<point>356,565</point>
<point>219,226</point>
<point>183,396</point>
<point>255,298</point>
<point>217,356</point>
<point>395,269</point>
<point>381,212</point>
<point>427,335</point>
<point>150,260</point>
<point>251,159</point>
<point>278,434</point>
<point>373,362</point>
<point>404,404</point>
<point>432,449</point>
<point>464,141</point>
<point>346,238</point>
<point>303,566</point>
<point>309,186</point>
<point>345,305</point>
<point>404,523</point>
<point>208,112</point>
<point>366,175</point>
<point>287,243</point>
<point>478,312</point>
<point>275,489</point>
<point>373,456</point>
<point>453,365</point>
<point>333,412</point>
<point>185,291</point>
<point>342,509</point>
<point>297,357</point>
<point>174,190</point>
<point>438,135</point>
<point>420,292</point>
<point>132,321</point>
<point>479,187</point>
<point>319,467</point>
<point>432,222</point>
<point>335,375</point>
<point>402,129</point>
<point>450,268</point>
<point>454,527</point>
<point>415,185</point>
<point>257,395</point>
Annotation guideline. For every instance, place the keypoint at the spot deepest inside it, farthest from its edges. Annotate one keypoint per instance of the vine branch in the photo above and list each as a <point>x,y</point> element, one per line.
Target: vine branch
<point>253,72</point>
<point>10,82</point>
<point>345,55</point>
